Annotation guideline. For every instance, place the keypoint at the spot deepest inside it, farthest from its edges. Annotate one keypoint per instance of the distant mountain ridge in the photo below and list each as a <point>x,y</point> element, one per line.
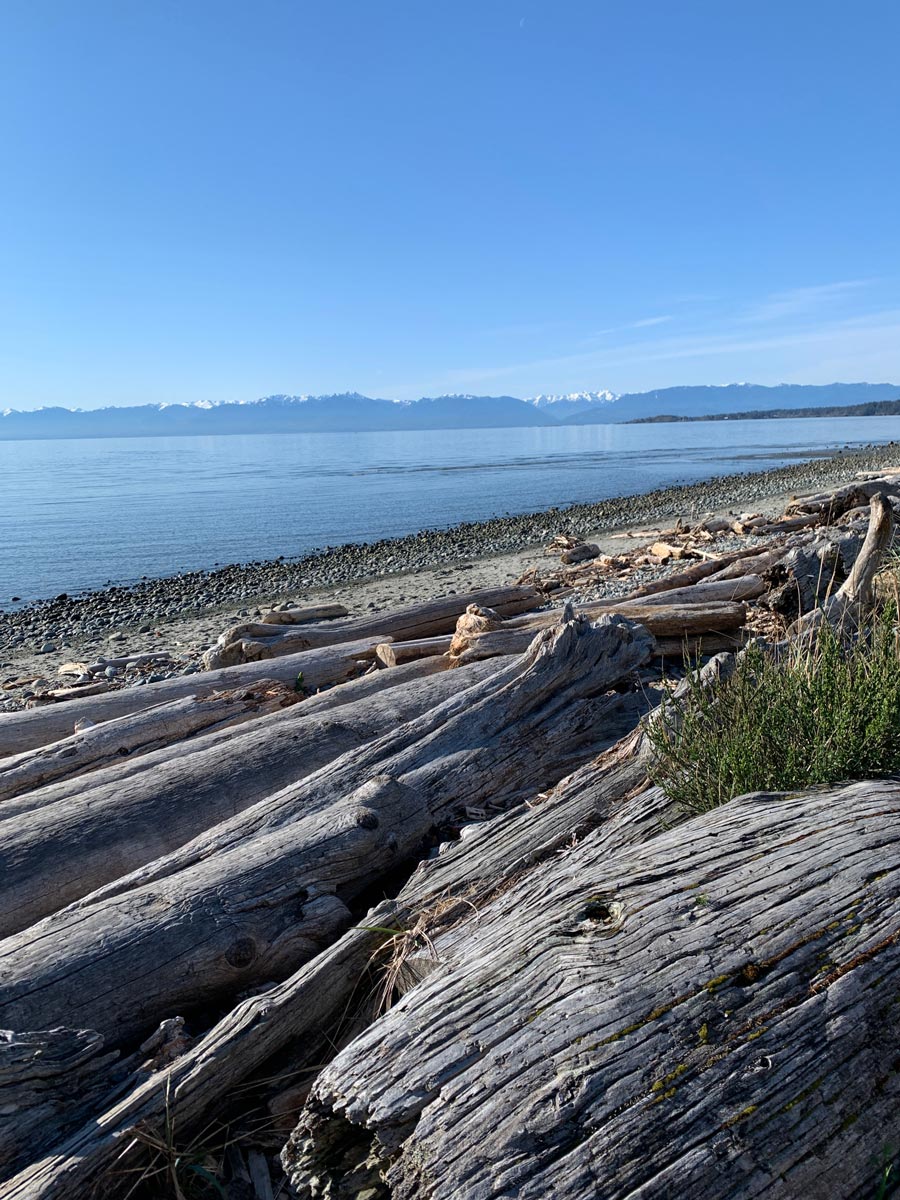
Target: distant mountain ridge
<point>352,412</point>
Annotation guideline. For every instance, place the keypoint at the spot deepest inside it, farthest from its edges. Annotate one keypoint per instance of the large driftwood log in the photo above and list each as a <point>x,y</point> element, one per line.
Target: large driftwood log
<point>22,731</point>
<point>135,734</point>
<point>267,890</point>
<point>301,1009</point>
<point>64,843</point>
<point>428,618</point>
<point>713,1014</point>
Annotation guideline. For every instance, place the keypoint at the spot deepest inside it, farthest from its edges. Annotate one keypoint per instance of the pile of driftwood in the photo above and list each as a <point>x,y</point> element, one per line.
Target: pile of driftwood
<point>564,988</point>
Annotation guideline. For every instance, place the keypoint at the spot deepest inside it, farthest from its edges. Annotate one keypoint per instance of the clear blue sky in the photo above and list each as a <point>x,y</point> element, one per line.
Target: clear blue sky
<point>220,199</point>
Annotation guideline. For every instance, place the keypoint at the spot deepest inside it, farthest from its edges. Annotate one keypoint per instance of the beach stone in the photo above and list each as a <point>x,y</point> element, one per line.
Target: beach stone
<point>47,648</point>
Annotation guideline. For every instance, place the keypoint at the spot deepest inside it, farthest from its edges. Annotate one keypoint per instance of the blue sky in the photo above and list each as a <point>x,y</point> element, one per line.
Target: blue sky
<point>216,200</point>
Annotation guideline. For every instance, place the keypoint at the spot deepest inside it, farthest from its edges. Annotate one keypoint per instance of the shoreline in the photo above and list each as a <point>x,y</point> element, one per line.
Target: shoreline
<point>187,611</point>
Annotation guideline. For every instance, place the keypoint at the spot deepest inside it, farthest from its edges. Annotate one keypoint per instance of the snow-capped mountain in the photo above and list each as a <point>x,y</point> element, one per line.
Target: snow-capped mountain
<point>569,404</point>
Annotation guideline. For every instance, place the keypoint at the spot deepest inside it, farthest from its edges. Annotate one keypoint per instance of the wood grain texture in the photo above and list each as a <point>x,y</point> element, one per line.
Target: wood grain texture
<point>711,1014</point>
<point>486,859</point>
<point>260,894</point>
<point>20,731</point>
<point>60,844</point>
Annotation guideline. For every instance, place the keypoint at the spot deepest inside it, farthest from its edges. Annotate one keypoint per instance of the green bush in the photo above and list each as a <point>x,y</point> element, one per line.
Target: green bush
<point>821,713</point>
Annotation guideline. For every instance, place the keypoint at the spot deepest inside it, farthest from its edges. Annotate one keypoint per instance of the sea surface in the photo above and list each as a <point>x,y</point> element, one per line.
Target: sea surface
<point>81,514</point>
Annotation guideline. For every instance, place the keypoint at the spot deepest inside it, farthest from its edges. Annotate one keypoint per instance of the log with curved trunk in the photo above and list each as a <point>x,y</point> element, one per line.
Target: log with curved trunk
<point>263,892</point>
<point>713,1014</point>
<point>65,843</point>
<point>852,600</point>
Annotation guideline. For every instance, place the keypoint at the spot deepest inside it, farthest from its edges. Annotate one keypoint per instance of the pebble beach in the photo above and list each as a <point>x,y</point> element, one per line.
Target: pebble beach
<point>182,615</point>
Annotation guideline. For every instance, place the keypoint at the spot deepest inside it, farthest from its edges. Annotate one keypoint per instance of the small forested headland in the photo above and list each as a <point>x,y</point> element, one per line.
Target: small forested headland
<point>874,408</point>
<point>580,883</point>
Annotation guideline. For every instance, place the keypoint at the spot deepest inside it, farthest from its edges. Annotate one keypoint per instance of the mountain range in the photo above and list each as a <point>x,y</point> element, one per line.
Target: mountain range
<point>351,412</point>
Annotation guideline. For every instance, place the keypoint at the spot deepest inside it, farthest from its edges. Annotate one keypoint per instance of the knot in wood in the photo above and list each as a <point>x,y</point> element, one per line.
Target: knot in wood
<point>367,818</point>
<point>241,953</point>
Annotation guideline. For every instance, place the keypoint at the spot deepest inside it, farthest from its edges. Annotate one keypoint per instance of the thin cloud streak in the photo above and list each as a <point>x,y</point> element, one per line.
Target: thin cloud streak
<point>882,325</point>
<point>803,301</point>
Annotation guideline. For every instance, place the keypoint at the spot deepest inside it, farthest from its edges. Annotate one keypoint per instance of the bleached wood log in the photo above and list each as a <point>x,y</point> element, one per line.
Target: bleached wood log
<point>300,616</point>
<point>41,1075</point>
<point>136,733</point>
<point>299,1010</point>
<point>390,654</point>
<point>353,690</point>
<point>789,524</point>
<point>580,553</point>
<point>21,731</point>
<point>267,890</point>
<point>746,587</point>
<point>427,618</point>
<point>57,844</point>
<point>684,1018</point>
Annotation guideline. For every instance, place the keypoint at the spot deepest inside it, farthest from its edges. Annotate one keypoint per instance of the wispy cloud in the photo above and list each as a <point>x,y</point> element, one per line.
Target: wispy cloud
<point>648,321</point>
<point>868,337</point>
<point>803,301</point>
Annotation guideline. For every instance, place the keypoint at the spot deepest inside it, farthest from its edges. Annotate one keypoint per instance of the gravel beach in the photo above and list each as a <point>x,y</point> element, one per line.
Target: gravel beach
<point>183,614</point>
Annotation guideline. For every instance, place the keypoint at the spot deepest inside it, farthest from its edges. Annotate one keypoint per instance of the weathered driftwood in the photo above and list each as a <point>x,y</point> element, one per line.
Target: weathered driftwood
<point>58,844</point>
<point>371,684</point>
<point>300,616</point>
<point>428,618</point>
<point>319,668</point>
<point>695,574</point>
<point>675,621</point>
<point>301,1009</point>
<point>852,495</point>
<point>136,733</point>
<point>747,587</point>
<point>389,654</point>
<point>846,606</point>
<point>40,1076</point>
<point>267,890</point>
<point>712,1014</point>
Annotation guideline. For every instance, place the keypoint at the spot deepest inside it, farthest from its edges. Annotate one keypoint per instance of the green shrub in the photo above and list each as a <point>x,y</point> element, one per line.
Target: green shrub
<point>822,713</point>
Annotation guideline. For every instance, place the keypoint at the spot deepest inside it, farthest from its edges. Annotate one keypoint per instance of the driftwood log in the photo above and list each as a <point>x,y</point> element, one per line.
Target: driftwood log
<point>301,616</point>
<point>427,618</point>
<point>267,890</point>
<point>664,622</point>
<point>135,734</point>
<point>300,1010</point>
<point>60,843</point>
<point>313,669</point>
<point>711,1014</point>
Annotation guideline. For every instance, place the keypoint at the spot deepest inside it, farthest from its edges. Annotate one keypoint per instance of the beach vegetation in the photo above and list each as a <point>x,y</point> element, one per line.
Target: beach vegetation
<point>819,712</point>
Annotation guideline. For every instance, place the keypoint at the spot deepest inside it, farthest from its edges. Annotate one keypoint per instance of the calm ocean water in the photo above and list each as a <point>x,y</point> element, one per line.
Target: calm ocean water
<point>82,514</point>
